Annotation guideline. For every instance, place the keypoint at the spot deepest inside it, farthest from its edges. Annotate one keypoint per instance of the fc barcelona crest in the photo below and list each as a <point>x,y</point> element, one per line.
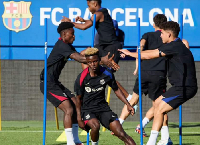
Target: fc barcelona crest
<point>17,16</point>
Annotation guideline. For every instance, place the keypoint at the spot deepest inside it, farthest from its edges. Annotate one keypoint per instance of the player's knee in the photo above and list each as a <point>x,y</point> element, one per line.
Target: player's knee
<point>95,126</point>
<point>68,112</point>
<point>156,104</point>
<point>122,135</point>
<point>159,109</point>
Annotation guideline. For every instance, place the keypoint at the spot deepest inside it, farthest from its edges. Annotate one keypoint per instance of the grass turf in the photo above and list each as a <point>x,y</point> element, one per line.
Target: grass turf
<point>31,133</point>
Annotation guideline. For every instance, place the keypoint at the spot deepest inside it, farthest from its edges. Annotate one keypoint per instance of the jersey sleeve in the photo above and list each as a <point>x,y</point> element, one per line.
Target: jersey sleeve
<point>112,83</point>
<point>145,36</point>
<point>78,88</point>
<point>168,49</point>
<point>67,50</point>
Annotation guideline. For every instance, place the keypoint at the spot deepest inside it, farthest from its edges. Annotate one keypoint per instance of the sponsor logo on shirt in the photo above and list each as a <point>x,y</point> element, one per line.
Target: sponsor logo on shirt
<point>88,89</point>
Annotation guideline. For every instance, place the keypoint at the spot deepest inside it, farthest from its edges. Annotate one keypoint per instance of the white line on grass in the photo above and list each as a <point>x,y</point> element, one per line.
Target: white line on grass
<point>81,131</point>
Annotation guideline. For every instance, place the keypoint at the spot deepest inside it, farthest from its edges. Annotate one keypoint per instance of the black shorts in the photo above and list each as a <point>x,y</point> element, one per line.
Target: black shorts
<point>112,48</point>
<point>176,96</point>
<point>56,93</point>
<point>153,83</point>
<point>105,118</point>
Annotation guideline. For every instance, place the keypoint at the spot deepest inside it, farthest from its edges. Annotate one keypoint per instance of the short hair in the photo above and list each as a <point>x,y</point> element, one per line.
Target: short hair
<point>63,26</point>
<point>159,19</point>
<point>98,1</point>
<point>172,26</point>
<point>91,52</point>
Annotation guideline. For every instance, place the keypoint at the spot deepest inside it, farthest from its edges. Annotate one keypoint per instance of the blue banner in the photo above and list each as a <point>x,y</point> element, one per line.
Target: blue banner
<point>26,19</point>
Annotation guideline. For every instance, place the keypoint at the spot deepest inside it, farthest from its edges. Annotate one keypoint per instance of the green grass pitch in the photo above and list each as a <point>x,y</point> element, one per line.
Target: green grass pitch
<point>31,133</point>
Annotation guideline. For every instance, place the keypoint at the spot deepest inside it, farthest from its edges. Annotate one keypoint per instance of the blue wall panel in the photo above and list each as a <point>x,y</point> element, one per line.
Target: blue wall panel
<point>125,12</point>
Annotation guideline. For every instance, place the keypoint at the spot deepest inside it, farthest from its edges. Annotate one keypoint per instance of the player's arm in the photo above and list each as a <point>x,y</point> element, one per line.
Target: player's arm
<point>110,62</point>
<point>142,44</point>
<point>87,23</point>
<point>79,92</point>
<point>78,107</point>
<point>148,54</point>
<point>78,110</point>
<point>121,96</point>
<point>112,83</point>
<point>186,43</point>
<point>78,57</point>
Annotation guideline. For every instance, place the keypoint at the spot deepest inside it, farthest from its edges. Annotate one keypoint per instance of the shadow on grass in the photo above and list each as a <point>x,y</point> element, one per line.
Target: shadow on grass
<point>184,125</point>
<point>185,144</point>
<point>191,134</point>
<point>16,128</point>
<point>65,143</point>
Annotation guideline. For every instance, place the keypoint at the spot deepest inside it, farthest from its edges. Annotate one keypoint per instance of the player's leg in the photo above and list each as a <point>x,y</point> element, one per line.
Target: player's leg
<point>148,117</point>
<point>156,87</point>
<point>165,139</point>
<point>95,127</point>
<point>117,129</point>
<point>110,121</point>
<point>134,100</point>
<point>75,126</point>
<point>58,99</point>
<point>113,49</point>
<point>92,123</point>
<point>125,113</point>
<point>161,108</point>
<point>173,98</point>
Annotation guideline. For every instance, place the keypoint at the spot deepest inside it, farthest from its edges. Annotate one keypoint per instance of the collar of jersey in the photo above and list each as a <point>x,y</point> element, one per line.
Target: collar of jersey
<point>62,40</point>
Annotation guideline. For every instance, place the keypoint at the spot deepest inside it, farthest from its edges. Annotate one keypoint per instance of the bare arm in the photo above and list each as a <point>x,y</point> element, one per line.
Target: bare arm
<point>78,110</point>
<point>186,43</point>
<point>87,23</point>
<point>78,107</point>
<point>142,44</point>
<point>78,57</point>
<point>148,54</point>
<point>121,96</point>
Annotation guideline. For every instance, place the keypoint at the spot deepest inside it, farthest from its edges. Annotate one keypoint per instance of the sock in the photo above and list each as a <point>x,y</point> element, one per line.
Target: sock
<point>145,121</point>
<point>135,108</point>
<point>75,133</point>
<point>70,138</point>
<point>153,137</point>
<point>94,143</point>
<point>121,121</point>
<point>129,97</point>
<point>164,133</point>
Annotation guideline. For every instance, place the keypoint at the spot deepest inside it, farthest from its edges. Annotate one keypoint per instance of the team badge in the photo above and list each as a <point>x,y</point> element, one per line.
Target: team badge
<point>17,16</point>
<point>102,81</point>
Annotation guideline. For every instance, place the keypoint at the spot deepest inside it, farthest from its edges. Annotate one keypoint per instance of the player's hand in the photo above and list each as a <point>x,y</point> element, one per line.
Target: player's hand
<point>124,52</point>
<point>65,19</point>
<point>109,62</point>
<point>135,72</point>
<point>78,18</point>
<point>81,124</point>
<point>130,109</point>
<point>122,55</point>
<point>116,66</point>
